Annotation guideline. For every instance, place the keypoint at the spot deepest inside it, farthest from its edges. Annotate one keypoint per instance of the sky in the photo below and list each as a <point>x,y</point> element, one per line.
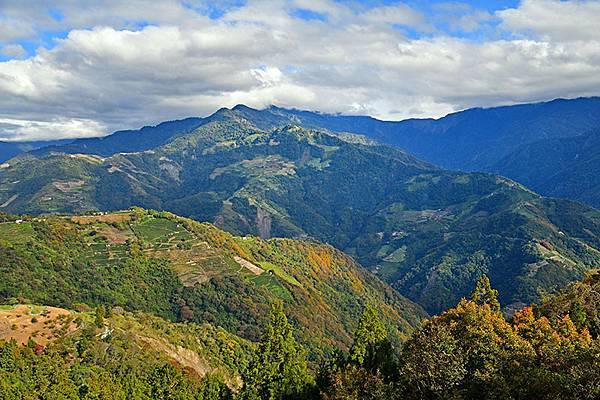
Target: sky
<point>85,68</point>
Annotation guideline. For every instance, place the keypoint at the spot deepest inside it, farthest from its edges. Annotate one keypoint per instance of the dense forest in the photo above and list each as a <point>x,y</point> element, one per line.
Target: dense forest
<point>471,351</point>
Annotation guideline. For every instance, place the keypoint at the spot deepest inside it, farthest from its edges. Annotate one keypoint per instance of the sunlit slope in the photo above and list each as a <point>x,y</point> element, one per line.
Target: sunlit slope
<point>183,270</point>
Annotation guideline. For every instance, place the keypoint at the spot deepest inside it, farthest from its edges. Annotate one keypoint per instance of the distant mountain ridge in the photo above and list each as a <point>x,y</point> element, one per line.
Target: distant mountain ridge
<point>470,140</point>
<point>427,231</point>
<point>496,139</point>
<point>558,167</point>
<point>522,142</point>
<point>127,141</point>
<point>426,138</point>
<point>9,150</point>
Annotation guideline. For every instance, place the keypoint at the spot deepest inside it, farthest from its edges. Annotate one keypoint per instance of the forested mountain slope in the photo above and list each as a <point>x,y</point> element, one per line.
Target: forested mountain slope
<point>470,140</point>
<point>109,353</point>
<point>563,167</point>
<point>182,270</point>
<point>550,147</point>
<point>471,351</point>
<point>428,232</point>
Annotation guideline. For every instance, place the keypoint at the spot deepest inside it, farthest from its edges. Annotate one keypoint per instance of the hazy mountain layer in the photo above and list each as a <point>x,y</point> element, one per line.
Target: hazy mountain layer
<point>563,167</point>
<point>9,150</point>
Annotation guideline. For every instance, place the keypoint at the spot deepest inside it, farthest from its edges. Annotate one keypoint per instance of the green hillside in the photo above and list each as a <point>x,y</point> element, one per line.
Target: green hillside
<point>429,232</point>
<point>56,353</point>
<point>183,270</point>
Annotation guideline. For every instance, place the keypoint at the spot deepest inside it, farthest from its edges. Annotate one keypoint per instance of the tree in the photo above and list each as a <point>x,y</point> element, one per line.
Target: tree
<point>432,363</point>
<point>371,348</point>
<point>469,351</point>
<point>580,300</point>
<point>484,294</point>
<point>563,363</point>
<point>213,388</point>
<point>352,382</point>
<point>370,367</point>
<point>278,369</point>
<point>7,355</point>
<point>99,316</point>
<point>167,382</point>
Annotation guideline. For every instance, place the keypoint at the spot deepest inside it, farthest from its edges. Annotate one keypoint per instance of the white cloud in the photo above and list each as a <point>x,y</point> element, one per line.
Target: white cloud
<point>472,21</point>
<point>327,7</point>
<point>13,50</point>
<point>397,15</point>
<point>26,18</point>
<point>267,76</point>
<point>16,130</point>
<point>555,20</point>
<point>463,17</point>
<point>110,74</point>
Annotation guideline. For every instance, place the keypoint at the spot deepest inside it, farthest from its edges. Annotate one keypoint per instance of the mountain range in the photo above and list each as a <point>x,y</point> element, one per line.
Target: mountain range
<point>559,167</point>
<point>428,232</point>
<point>508,140</point>
<point>470,140</point>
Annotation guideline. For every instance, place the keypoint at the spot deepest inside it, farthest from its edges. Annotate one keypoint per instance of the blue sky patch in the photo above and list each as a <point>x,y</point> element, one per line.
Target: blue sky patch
<point>307,15</point>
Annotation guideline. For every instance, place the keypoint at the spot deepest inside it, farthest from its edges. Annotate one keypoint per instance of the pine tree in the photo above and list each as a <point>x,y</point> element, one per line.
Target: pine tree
<point>370,367</point>
<point>8,355</point>
<point>484,294</point>
<point>369,338</point>
<point>278,369</point>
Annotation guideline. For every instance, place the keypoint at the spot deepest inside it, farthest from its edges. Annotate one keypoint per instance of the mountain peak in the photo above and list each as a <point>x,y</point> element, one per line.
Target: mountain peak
<point>243,107</point>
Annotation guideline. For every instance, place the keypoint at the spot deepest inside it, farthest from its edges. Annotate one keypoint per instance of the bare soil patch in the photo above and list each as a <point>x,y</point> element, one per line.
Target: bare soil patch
<point>7,202</point>
<point>88,157</point>
<point>107,218</point>
<point>42,324</point>
<point>67,186</point>
<point>185,357</point>
<point>115,236</point>
<point>248,265</point>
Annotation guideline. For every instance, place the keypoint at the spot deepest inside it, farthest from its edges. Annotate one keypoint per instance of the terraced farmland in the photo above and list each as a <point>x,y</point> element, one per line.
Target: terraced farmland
<point>183,270</point>
<point>110,238</point>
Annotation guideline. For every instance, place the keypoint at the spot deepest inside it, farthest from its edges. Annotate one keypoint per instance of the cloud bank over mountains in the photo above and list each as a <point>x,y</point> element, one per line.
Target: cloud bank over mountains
<point>72,69</point>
